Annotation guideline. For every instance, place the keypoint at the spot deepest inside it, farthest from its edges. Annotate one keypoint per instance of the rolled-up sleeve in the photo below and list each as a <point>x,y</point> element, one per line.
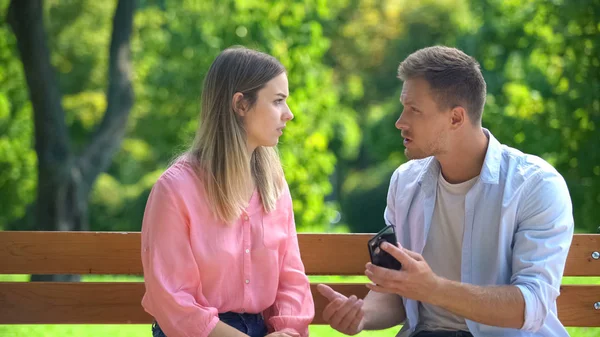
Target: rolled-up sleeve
<point>294,305</point>
<point>541,244</point>
<point>173,290</point>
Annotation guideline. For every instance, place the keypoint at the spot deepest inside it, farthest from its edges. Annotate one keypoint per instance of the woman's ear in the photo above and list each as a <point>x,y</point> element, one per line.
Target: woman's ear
<point>239,104</point>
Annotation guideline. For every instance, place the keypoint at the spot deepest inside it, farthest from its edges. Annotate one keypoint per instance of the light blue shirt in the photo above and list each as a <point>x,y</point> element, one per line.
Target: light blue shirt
<point>517,231</point>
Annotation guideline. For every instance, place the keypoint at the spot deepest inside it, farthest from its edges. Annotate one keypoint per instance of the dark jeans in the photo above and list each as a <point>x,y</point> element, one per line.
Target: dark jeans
<point>442,333</point>
<point>250,324</point>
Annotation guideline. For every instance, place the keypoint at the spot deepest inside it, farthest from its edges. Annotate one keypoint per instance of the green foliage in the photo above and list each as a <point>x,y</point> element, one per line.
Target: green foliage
<point>544,88</point>
<point>173,46</point>
<point>18,162</point>
<point>540,60</point>
<point>140,330</point>
<point>369,41</point>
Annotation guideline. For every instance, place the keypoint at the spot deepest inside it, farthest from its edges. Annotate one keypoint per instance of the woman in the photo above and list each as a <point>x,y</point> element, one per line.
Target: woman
<point>219,245</point>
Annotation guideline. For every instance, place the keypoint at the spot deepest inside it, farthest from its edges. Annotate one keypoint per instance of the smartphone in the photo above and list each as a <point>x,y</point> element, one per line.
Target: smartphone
<point>379,257</point>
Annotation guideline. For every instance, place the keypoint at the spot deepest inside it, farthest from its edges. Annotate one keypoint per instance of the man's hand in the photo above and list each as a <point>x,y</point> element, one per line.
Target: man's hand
<point>415,280</point>
<point>344,314</point>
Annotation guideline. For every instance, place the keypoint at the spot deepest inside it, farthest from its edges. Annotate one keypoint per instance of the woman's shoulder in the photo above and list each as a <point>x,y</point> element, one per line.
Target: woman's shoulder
<point>180,175</point>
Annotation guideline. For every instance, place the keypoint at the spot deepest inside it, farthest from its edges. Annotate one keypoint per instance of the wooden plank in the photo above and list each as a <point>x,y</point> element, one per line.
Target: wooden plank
<point>70,253</point>
<point>580,261</point>
<point>576,305</point>
<point>334,254</point>
<point>94,303</point>
<point>119,303</point>
<point>119,253</point>
<point>71,303</point>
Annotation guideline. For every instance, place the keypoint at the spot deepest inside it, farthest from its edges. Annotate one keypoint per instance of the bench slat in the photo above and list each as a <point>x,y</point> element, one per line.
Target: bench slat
<point>70,253</point>
<point>580,261</point>
<point>119,303</point>
<point>119,253</point>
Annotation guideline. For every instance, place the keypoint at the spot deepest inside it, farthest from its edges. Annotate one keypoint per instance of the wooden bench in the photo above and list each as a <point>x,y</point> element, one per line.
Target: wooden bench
<point>118,253</point>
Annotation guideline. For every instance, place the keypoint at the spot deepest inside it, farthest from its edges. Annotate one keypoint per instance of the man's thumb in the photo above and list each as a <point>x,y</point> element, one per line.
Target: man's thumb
<point>328,293</point>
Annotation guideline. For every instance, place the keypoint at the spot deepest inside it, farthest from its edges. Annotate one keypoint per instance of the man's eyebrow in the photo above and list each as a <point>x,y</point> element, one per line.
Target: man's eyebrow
<point>408,102</point>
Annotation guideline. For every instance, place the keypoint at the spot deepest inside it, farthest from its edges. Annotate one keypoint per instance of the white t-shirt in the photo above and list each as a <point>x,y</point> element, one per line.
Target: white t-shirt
<point>443,250</point>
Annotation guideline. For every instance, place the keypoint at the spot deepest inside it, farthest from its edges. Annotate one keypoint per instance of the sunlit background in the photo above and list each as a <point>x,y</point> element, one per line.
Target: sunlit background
<point>541,61</point>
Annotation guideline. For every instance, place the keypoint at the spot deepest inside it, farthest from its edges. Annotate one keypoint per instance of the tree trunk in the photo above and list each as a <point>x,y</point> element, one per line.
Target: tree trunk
<point>67,202</point>
<point>64,179</point>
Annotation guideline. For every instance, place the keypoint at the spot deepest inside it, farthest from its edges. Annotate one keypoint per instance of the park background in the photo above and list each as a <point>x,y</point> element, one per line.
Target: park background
<point>96,125</point>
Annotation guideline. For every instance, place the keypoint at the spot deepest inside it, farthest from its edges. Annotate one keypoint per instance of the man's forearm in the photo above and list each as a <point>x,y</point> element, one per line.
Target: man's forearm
<point>383,311</point>
<point>501,306</point>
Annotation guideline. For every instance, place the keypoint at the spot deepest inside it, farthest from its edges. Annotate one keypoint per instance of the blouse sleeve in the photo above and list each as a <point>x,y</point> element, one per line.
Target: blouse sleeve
<point>173,290</point>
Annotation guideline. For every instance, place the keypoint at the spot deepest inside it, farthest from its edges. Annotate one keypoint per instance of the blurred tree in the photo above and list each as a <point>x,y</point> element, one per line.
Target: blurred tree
<point>369,41</point>
<point>540,60</point>
<point>542,64</point>
<point>65,178</point>
<point>174,46</point>
<point>17,157</point>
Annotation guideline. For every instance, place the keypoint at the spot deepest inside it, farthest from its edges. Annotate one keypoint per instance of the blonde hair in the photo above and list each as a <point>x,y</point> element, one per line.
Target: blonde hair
<point>219,152</point>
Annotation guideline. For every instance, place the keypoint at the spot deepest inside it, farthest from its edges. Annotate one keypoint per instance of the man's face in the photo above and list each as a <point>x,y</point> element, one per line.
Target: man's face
<point>424,126</point>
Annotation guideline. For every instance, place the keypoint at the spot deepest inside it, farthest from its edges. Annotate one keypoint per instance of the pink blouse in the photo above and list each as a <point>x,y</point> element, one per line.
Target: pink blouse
<point>195,266</point>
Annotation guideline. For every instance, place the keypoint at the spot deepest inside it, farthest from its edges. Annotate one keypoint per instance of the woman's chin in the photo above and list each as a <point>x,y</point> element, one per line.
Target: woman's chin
<point>272,143</point>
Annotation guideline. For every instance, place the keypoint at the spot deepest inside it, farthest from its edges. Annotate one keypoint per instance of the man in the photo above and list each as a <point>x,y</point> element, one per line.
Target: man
<point>483,229</point>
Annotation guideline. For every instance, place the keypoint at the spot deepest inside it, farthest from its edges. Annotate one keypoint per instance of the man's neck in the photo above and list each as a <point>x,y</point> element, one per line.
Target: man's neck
<point>465,159</point>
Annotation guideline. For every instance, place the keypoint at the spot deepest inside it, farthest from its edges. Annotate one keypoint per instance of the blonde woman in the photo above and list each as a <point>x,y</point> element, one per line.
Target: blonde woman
<point>219,245</point>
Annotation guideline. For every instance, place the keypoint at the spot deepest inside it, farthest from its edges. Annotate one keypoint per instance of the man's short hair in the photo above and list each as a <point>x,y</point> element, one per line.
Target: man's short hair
<point>454,77</point>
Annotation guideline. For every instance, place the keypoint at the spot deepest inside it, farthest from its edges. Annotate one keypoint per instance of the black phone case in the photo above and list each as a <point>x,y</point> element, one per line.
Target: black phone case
<point>379,257</point>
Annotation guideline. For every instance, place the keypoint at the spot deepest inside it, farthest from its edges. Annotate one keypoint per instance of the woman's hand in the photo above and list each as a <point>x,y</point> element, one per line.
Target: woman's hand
<point>284,333</point>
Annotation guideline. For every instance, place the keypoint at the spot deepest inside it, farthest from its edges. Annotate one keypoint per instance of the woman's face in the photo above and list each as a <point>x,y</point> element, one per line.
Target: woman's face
<point>265,121</point>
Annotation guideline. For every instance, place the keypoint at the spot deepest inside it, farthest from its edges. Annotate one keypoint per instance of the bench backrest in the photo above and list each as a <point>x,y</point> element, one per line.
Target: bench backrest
<point>117,253</point>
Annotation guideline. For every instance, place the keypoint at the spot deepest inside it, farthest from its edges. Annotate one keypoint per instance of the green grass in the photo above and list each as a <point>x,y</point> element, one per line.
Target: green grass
<point>143,330</point>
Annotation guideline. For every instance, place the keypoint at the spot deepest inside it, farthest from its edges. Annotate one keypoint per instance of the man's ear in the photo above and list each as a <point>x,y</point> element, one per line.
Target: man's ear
<point>239,104</point>
<point>458,117</point>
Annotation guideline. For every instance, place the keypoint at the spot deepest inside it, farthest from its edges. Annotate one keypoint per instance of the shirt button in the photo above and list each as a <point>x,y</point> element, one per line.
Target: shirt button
<point>247,281</point>
<point>247,251</point>
<point>245,218</point>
